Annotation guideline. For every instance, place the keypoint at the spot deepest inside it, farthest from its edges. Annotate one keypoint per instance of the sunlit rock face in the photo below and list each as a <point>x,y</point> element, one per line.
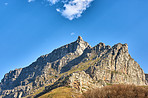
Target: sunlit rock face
<point>77,65</point>
<point>115,65</point>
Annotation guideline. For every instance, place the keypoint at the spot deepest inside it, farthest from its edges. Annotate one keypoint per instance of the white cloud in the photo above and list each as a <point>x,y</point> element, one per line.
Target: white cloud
<point>50,1</point>
<point>53,1</point>
<point>74,9</point>
<point>58,10</point>
<point>69,8</point>
<point>6,3</point>
<point>72,33</point>
<point>30,1</point>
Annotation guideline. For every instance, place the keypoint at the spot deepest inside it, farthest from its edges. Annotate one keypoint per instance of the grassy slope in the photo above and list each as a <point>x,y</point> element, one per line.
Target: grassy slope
<point>61,92</point>
<point>120,90</point>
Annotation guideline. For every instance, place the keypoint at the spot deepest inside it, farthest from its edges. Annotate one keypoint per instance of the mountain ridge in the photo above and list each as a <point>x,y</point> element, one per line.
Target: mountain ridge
<point>99,64</point>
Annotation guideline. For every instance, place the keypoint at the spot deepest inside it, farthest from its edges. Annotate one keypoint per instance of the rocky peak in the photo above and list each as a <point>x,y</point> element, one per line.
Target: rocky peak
<point>99,46</point>
<point>81,45</point>
<point>119,46</point>
<point>79,39</point>
<point>75,48</point>
<point>81,65</point>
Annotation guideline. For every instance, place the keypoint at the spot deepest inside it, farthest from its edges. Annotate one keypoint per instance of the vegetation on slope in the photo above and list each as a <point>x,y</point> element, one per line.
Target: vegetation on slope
<point>118,91</point>
<point>80,67</point>
<point>111,91</point>
<point>61,92</point>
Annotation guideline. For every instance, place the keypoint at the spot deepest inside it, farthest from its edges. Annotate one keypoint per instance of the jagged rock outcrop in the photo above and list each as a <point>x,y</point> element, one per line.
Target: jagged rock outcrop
<point>146,78</point>
<point>77,65</point>
<point>80,81</point>
<point>83,82</point>
<point>43,71</point>
<point>115,65</point>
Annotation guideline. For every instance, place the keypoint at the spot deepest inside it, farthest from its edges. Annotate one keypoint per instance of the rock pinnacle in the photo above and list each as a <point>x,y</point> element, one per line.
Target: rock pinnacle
<point>79,38</point>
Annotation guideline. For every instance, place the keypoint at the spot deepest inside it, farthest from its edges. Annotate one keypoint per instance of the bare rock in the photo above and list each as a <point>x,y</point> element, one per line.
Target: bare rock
<point>77,65</point>
<point>146,78</point>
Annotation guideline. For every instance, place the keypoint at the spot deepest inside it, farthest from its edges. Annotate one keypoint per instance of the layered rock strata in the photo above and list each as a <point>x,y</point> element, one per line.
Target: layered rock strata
<point>77,65</point>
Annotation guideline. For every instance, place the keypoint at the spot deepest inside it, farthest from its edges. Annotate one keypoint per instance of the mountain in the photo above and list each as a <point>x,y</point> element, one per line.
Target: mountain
<point>76,65</point>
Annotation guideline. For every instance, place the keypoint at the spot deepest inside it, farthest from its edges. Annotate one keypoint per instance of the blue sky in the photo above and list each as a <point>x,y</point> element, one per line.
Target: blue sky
<point>31,29</point>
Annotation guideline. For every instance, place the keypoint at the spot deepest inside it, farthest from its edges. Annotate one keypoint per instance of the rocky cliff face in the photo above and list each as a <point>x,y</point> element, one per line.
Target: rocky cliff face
<point>77,65</point>
<point>146,77</point>
<point>115,65</point>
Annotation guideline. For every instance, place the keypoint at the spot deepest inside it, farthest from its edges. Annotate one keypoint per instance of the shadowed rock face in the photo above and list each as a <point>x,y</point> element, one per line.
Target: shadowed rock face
<point>146,77</point>
<point>83,66</point>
